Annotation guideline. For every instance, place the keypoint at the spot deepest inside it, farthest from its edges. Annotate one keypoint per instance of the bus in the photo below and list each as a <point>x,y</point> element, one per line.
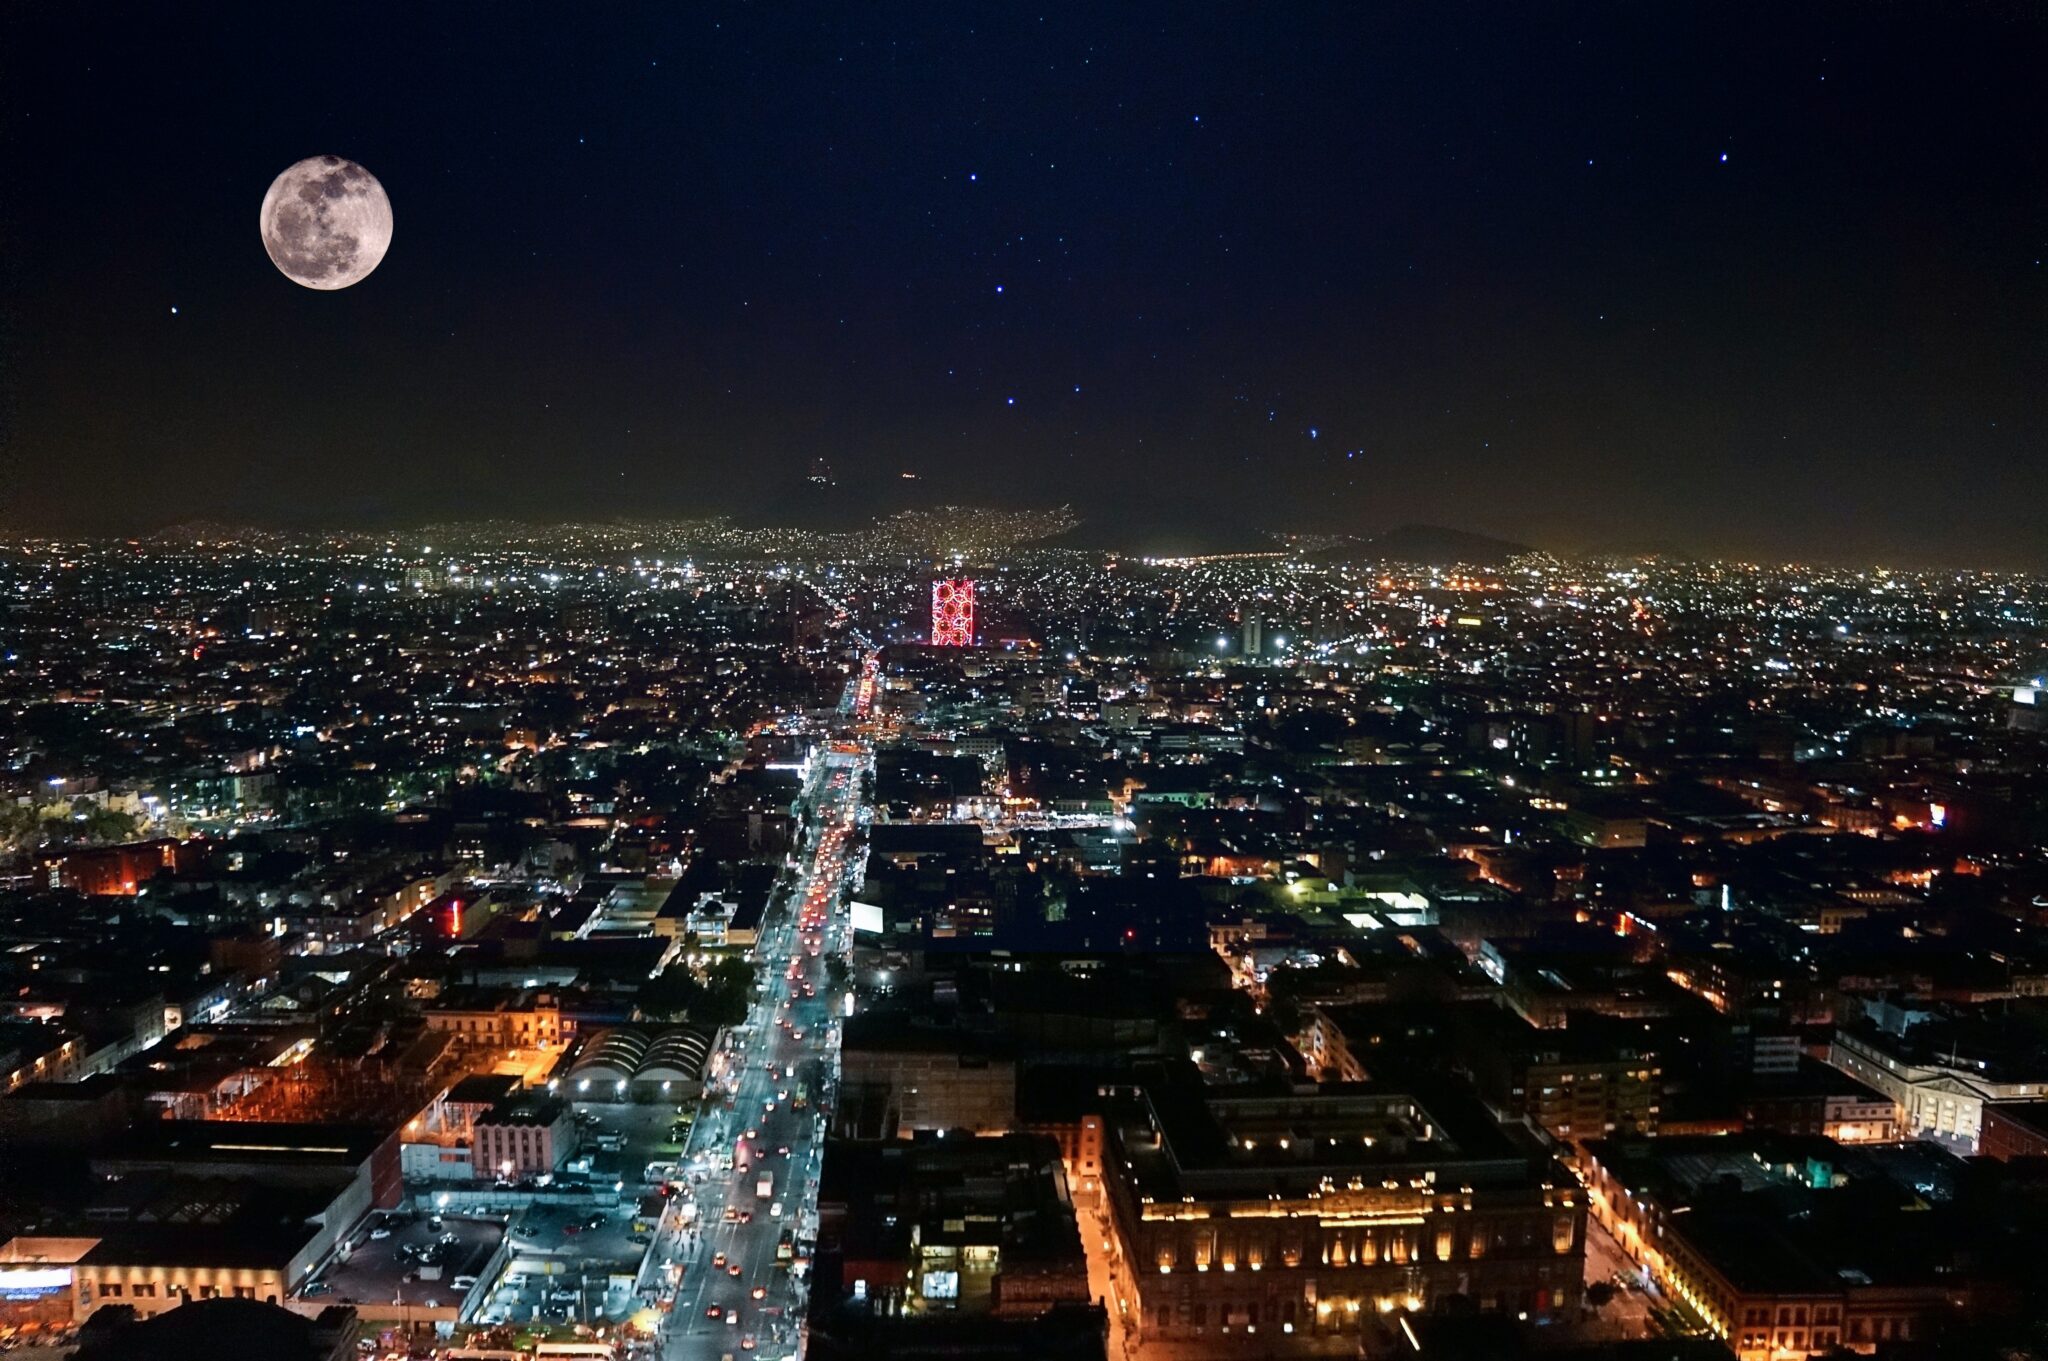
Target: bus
<point>803,1095</point>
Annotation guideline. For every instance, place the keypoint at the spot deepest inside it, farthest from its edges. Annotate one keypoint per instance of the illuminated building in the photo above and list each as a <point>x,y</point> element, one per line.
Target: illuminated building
<point>1783,1250</point>
<point>1310,1215</point>
<point>953,612</point>
<point>499,1019</point>
<point>1933,1092</point>
<point>522,1136</point>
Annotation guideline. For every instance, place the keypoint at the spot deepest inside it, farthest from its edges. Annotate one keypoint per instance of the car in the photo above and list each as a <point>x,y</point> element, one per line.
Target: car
<point>718,1260</point>
<point>464,1282</point>
<point>316,1288</point>
<point>380,1233</point>
<point>732,1317</point>
<point>746,1216</point>
<point>760,1292</point>
<point>448,1237</point>
<point>747,1343</point>
<point>733,1270</point>
<point>715,1311</point>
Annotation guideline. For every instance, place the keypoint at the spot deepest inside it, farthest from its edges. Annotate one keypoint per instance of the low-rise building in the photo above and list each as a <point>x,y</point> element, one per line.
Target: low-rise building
<point>1783,1250</point>
<point>1311,1214</point>
<point>899,1078</point>
<point>493,1018</point>
<point>948,1225</point>
<point>523,1136</point>
<point>1934,1096</point>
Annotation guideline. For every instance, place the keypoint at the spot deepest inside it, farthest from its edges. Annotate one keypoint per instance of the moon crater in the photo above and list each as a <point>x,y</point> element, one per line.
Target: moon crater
<point>326,222</point>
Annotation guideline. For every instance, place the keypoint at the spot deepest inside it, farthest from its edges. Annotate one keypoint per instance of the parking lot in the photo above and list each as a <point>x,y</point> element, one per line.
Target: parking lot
<point>578,1290</point>
<point>412,1264</point>
<point>645,1130</point>
<point>599,1233</point>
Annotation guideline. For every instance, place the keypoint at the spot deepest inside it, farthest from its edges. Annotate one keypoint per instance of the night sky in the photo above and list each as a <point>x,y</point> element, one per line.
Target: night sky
<point>1766,280</point>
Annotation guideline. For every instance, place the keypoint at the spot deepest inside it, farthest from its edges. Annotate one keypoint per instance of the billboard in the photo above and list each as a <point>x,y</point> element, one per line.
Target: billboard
<point>33,1282</point>
<point>867,917</point>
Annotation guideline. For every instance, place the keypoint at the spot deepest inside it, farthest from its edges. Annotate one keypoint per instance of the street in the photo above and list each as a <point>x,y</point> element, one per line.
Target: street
<point>740,1236</point>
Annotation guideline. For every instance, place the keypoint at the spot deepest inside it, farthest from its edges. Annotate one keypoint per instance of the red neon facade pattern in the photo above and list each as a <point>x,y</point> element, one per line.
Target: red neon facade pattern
<point>953,613</point>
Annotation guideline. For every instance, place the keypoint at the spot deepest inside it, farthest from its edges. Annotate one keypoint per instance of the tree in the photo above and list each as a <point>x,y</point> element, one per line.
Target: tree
<point>729,985</point>
<point>671,994</point>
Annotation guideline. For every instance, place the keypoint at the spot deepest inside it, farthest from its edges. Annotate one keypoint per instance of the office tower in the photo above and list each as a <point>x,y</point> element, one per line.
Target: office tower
<point>953,612</point>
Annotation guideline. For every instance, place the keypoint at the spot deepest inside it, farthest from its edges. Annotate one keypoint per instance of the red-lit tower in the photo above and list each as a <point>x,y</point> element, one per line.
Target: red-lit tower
<point>953,613</point>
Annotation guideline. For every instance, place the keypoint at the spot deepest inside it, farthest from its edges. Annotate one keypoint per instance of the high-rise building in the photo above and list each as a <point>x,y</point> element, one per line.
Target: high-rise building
<point>1254,640</point>
<point>953,612</point>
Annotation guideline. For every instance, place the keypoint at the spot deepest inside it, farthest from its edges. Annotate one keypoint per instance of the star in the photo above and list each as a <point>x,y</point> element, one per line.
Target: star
<point>999,288</point>
<point>174,312</point>
<point>1009,401</point>
<point>1724,158</point>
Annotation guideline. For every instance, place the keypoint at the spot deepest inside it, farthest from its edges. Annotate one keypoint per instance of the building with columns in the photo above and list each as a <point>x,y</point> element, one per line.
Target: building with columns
<point>1318,1211</point>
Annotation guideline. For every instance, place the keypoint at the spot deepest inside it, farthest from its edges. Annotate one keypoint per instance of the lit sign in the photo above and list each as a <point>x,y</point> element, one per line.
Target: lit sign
<point>30,1282</point>
<point>867,917</point>
<point>941,1285</point>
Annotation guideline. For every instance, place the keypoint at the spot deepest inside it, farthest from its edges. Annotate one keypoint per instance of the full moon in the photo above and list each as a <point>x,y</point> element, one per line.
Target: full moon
<point>326,222</point>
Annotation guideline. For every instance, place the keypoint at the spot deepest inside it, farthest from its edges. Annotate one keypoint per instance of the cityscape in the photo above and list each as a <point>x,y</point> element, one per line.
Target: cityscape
<point>1080,683</point>
<point>809,953</point>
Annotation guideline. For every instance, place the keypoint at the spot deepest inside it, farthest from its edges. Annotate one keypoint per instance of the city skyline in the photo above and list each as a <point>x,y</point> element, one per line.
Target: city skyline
<point>1194,681</point>
<point>1731,282</point>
